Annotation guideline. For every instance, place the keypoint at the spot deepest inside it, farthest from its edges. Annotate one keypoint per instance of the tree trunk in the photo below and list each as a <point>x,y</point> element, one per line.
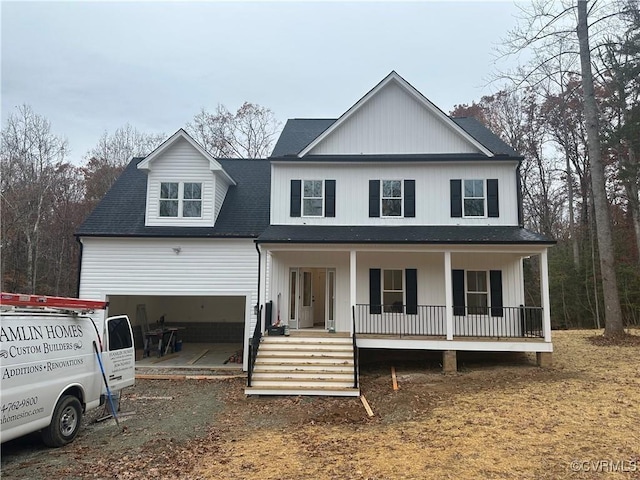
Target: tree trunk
<point>613,314</point>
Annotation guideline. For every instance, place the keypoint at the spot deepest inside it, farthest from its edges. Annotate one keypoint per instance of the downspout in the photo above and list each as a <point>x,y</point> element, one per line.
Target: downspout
<point>79,266</point>
<point>259,263</point>
<point>519,195</point>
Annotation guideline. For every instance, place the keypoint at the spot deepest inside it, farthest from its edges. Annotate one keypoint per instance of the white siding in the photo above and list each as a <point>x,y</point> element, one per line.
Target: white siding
<point>221,188</point>
<point>181,163</point>
<point>393,121</point>
<point>147,266</point>
<point>432,191</point>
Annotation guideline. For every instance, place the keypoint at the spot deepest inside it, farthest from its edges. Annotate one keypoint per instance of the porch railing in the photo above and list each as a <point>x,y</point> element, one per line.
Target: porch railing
<point>428,320</point>
<point>254,344</point>
<point>394,320</point>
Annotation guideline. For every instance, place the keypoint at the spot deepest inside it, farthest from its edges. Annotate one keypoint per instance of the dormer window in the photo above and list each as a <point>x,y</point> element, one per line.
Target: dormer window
<point>181,199</point>
<point>192,200</point>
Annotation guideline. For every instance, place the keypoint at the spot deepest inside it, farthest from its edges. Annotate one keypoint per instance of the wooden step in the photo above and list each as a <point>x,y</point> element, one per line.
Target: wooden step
<point>303,375</point>
<point>326,392</point>
<point>304,365</point>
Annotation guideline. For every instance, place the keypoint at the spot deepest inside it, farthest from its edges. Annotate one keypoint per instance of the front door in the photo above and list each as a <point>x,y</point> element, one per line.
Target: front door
<point>312,303</point>
<point>306,301</point>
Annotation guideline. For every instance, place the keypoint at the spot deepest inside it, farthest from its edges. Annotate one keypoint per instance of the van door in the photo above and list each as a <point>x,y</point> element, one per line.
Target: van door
<point>119,359</point>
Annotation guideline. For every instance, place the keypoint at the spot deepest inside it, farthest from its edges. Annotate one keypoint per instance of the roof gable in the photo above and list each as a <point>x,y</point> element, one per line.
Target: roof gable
<point>181,134</point>
<point>394,118</point>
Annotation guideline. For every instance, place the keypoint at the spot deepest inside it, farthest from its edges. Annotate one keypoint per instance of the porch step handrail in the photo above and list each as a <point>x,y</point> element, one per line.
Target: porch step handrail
<point>356,367</point>
<point>254,345</point>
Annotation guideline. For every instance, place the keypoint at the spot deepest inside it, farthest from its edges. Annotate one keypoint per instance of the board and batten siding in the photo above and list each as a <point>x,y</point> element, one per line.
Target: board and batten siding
<point>432,186</point>
<point>150,266</point>
<point>394,121</point>
<point>183,163</point>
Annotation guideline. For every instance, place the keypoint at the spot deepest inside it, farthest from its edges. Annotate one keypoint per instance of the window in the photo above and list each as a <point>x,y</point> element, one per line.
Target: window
<point>192,203</point>
<point>169,199</point>
<point>477,292</point>
<point>312,198</point>
<point>391,198</point>
<point>119,334</point>
<point>180,199</point>
<point>392,291</point>
<point>473,198</point>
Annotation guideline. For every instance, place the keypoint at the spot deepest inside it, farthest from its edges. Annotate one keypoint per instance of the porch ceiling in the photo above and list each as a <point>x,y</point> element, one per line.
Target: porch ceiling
<point>437,234</point>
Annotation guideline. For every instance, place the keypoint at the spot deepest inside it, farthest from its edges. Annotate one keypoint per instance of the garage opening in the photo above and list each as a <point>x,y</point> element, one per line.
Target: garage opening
<point>208,327</point>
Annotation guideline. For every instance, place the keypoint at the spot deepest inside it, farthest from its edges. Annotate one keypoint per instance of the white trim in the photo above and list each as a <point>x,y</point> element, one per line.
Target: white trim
<point>468,345</point>
<point>214,165</point>
<point>394,77</point>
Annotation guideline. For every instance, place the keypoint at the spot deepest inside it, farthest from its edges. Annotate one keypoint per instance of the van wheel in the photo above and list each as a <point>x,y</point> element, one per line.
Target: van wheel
<point>65,422</point>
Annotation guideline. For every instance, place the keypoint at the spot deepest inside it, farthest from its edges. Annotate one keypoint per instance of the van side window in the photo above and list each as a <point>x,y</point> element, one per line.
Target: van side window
<point>119,334</point>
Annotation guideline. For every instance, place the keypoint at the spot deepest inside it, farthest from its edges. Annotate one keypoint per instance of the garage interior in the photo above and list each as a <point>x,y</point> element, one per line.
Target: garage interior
<point>210,329</point>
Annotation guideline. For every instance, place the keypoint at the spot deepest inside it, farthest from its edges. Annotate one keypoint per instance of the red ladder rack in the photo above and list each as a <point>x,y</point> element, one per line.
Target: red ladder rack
<point>22,300</point>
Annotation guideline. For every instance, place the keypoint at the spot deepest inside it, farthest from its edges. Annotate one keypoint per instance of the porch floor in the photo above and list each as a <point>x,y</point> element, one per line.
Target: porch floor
<point>444,338</point>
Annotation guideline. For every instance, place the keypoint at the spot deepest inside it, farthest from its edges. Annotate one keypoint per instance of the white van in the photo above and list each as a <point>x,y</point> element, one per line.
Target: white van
<point>49,368</point>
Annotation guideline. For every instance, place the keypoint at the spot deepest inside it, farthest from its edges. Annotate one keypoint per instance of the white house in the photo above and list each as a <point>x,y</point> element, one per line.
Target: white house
<point>393,226</point>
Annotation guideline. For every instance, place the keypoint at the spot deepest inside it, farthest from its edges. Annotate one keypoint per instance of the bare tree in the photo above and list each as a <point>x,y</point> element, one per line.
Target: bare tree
<point>30,156</point>
<point>106,160</point>
<point>613,313</point>
<point>247,133</point>
<point>542,25</point>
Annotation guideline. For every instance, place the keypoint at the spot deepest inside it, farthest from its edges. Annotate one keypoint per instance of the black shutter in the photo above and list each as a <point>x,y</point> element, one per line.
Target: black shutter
<point>296,197</point>
<point>456,197</point>
<point>492,198</point>
<point>457,277</point>
<point>495,281</point>
<point>411,276</point>
<point>375,291</point>
<point>374,198</point>
<point>329,198</point>
<point>409,198</point>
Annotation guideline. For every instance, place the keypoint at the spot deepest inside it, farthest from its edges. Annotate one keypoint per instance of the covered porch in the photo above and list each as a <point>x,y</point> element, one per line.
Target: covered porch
<point>410,296</point>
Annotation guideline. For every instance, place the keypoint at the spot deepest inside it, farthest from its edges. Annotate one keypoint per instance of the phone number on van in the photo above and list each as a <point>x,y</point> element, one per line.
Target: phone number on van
<point>18,404</point>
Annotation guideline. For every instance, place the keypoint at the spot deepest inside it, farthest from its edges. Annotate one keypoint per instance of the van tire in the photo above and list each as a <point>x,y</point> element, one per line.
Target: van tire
<point>65,422</point>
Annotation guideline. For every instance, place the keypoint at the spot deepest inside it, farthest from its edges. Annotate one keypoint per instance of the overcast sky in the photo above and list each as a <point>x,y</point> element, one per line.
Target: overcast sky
<point>90,67</point>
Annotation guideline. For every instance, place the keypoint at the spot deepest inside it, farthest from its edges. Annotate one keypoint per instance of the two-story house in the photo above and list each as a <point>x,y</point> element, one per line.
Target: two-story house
<point>393,226</point>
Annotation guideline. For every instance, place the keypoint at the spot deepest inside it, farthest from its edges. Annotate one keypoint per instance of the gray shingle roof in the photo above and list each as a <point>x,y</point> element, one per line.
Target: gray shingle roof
<point>245,212</point>
<point>485,136</point>
<point>300,132</point>
<point>454,234</point>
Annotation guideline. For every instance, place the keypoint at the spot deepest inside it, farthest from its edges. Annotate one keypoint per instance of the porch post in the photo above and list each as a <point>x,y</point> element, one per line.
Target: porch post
<point>448,295</point>
<point>544,295</point>
<point>352,286</point>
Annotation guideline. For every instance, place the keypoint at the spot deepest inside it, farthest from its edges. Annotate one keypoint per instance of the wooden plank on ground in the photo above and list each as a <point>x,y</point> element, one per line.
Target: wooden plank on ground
<point>198,356</point>
<point>366,405</point>
<point>145,376</point>
<point>393,378</point>
<point>165,357</point>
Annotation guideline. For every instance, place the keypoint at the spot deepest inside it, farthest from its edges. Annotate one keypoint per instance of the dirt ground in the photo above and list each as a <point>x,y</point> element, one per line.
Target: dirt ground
<point>499,417</point>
